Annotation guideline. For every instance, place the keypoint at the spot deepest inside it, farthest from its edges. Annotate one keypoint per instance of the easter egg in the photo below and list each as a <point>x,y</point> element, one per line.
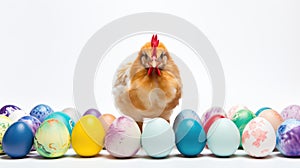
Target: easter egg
<point>287,138</point>
<point>211,120</point>
<point>261,110</point>
<point>8,109</point>
<point>106,120</point>
<point>258,138</point>
<point>52,139</point>
<point>32,122</point>
<point>158,138</point>
<point>291,112</point>
<point>241,119</point>
<point>73,113</point>
<point>64,118</point>
<point>93,112</point>
<point>273,117</point>
<point>17,114</point>
<point>41,111</point>
<point>123,138</point>
<point>17,141</point>
<point>185,114</point>
<point>235,109</point>
<point>190,138</point>
<point>211,112</point>
<point>5,122</point>
<point>88,136</point>
<point>223,138</point>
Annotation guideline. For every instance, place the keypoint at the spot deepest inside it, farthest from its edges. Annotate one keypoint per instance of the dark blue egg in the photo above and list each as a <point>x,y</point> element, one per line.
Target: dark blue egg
<point>64,118</point>
<point>18,140</point>
<point>261,110</point>
<point>41,111</point>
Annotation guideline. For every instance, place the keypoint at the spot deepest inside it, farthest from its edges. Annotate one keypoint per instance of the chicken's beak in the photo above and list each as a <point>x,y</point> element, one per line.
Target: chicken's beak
<point>153,63</point>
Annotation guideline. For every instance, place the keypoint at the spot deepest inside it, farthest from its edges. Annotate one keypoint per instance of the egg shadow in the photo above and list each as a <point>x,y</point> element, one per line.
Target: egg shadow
<point>6,157</point>
<point>189,157</point>
<point>288,157</point>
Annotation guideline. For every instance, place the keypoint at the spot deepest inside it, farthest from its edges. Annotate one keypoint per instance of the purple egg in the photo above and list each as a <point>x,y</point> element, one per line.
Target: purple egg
<point>32,122</point>
<point>291,112</point>
<point>211,112</point>
<point>8,109</point>
<point>93,112</point>
<point>287,138</point>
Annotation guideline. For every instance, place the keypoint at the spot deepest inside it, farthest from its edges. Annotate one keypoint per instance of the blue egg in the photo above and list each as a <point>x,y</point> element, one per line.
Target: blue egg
<point>261,110</point>
<point>64,118</point>
<point>185,114</point>
<point>41,111</point>
<point>18,140</point>
<point>190,138</point>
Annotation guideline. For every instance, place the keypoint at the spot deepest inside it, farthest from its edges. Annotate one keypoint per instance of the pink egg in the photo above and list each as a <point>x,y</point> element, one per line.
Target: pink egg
<point>211,112</point>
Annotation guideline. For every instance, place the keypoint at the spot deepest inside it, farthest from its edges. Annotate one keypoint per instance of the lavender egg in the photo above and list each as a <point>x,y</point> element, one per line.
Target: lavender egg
<point>291,112</point>
<point>93,112</point>
<point>8,109</point>
<point>211,112</point>
<point>32,122</point>
<point>287,138</point>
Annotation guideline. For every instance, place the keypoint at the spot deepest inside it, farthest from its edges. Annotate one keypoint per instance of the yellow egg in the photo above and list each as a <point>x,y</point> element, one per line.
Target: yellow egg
<point>88,136</point>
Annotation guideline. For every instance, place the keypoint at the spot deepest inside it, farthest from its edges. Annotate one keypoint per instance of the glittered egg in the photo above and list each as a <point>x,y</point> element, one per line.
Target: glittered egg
<point>52,139</point>
<point>5,122</point>
<point>158,138</point>
<point>235,109</point>
<point>211,112</point>
<point>41,111</point>
<point>123,138</point>
<point>273,117</point>
<point>211,120</point>
<point>17,140</point>
<point>88,136</point>
<point>185,114</point>
<point>32,122</point>
<point>190,138</point>
<point>17,114</point>
<point>73,113</point>
<point>93,112</point>
<point>64,118</point>
<point>8,109</point>
<point>258,138</point>
<point>223,138</point>
<point>287,138</point>
<point>291,112</point>
<point>241,119</point>
<point>106,120</point>
<point>261,110</point>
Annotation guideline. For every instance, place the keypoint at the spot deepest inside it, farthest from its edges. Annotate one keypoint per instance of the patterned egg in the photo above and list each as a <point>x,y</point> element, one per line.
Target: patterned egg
<point>73,113</point>
<point>291,112</point>
<point>41,111</point>
<point>241,119</point>
<point>8,109</point>
<point>106,120</point>
<point>287,138</point>
<point>93,112</point>
<point>212,119</point>
<point>211,112</point>
<point>273,117</point>
<point>261,110</point>
<point>185,114</point>
<point>52,139</point>
<point>123,138</point>
<point>17,114</point>
<point>64,118</point>
<point>235,109</point>
<point>32,122</point>
<point>258,138</point>
<point>5,122</point>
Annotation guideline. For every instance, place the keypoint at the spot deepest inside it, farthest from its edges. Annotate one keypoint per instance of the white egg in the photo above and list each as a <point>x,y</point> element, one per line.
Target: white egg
<point>17,114</point>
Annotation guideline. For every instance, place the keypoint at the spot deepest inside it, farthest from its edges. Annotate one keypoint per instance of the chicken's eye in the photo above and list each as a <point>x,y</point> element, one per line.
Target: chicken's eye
<point>145,60</point>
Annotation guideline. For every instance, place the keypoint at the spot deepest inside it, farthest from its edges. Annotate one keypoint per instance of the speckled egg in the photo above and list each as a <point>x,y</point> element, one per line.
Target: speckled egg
<point>52,139</point>
<point>287,138</point>
<point>261,110</point>
<point>211,112</point>
<point>17,114</point>
<point>291,112</point>
<point>185,114</point>
<point>5,122</point>
<point>32,122</point>
<point>258,138</point>
<point>123,138</point>
<point>235,109</point>
<point>93,112</point>
<point>63,117</point>
<point>158,138</point>
<point>223,138</point>
<point>8,109</point>
<point>272,116</point>
<point>73,113</point>
<point>41,111</point>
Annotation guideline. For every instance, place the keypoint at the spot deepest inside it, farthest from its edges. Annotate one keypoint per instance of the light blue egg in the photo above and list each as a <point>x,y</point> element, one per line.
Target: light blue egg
<point>63,117</point>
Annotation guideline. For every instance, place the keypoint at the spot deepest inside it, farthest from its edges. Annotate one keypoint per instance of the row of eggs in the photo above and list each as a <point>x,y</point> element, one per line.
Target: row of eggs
<point>52,133</point>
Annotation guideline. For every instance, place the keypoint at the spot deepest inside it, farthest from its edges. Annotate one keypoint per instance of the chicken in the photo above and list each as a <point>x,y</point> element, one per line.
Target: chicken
<point>150,86</point>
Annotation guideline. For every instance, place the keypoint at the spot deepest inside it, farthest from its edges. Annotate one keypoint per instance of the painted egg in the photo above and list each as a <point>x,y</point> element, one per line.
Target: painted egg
<point>41,111</point>
<point>123,138</point>
<point>158,138</point>
<point>273,117</point>
<point>32,122</point>
<point>185,114</point>
<point>88,136</point>
<point>5,122</point>
<point>64,118</point>
<point>93,112</point>
<point>287,138</point>
<point>211,120</point>
<point>190,138</point>
<point>241,119</point>
<point>211,112</point>
<point>106,120</point>
<point>17,141</point>
<point>8,109</point>
<point>223,138</point>
<point>291,112</point>
<point>258,138</point>
<point>17,114</point>
<point>261,110</point>
<point>73,113</point>
<point>52,139</point>
<point>235,109</point>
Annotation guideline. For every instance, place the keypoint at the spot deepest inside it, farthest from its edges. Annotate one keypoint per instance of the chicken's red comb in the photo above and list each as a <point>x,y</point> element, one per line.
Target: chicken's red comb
<point>154,41</point>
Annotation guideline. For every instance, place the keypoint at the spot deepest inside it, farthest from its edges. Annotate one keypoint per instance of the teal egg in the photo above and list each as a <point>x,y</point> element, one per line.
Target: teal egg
<point>64,118</point>
<point>261,110</point>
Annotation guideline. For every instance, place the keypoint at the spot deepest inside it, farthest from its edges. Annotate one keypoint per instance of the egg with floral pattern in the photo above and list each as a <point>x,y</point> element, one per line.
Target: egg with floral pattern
<point>5,122</point>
